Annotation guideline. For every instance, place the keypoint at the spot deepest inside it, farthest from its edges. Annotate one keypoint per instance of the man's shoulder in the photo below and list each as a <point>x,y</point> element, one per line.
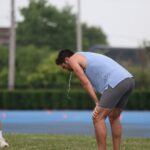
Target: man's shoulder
<point>78,58</point>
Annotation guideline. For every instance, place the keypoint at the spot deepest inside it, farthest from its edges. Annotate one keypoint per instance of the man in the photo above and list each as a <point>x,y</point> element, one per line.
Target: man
<point>3,143</point>
<point>99,73</point>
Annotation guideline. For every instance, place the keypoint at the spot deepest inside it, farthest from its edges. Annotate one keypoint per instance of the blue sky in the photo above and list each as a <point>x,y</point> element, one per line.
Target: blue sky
<point>125,22</point>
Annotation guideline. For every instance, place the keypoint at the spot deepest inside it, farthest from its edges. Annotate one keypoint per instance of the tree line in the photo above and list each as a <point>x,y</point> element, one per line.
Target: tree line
<point>43,31</point>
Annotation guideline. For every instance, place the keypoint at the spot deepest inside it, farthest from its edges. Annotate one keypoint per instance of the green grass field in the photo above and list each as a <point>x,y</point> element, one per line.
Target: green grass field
<point>68,142</point>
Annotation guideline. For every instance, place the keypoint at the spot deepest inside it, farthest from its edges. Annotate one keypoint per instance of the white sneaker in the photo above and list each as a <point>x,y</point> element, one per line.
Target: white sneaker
<point>3,143</point>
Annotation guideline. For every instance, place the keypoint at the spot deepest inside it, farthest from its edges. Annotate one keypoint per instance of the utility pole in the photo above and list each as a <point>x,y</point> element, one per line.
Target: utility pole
<point>12,47</point>
<point>78,27</point>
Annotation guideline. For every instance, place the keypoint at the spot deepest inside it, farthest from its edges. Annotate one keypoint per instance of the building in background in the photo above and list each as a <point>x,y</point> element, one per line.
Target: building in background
<point>123,54</point>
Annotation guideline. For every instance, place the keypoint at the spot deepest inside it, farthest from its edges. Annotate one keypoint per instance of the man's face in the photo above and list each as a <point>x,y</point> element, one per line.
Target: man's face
<point>66,66</point>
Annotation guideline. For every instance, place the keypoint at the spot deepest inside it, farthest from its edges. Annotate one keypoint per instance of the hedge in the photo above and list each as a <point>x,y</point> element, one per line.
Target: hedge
<point>57,99</point>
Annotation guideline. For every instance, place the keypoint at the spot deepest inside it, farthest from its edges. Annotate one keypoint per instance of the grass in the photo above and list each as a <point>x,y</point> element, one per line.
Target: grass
<point>68,142</point>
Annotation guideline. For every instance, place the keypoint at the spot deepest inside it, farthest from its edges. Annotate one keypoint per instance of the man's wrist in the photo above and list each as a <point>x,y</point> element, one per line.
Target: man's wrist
<point>96,103</point>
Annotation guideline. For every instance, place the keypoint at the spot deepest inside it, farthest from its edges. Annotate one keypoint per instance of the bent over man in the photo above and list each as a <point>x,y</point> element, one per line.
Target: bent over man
<point>99,73</point>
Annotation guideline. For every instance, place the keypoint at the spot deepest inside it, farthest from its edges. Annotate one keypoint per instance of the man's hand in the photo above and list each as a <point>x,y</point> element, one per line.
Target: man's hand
<point>96,111</point>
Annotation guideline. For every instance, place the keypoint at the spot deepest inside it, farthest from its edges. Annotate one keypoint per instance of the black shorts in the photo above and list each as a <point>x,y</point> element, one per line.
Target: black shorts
<point>117,97</point>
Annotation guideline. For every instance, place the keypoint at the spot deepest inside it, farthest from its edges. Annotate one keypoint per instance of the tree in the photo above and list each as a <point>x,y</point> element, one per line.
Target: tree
<point>45,25</point>
<point>47,72</point>
<point>27,60</point>
<point>93,35</point>
<point>3,66</point>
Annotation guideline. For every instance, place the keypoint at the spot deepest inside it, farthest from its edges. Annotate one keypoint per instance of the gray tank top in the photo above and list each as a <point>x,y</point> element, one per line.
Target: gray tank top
<point>103,71</point>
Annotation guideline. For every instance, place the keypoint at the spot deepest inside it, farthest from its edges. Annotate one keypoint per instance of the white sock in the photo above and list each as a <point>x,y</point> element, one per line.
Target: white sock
<point>1,136</point>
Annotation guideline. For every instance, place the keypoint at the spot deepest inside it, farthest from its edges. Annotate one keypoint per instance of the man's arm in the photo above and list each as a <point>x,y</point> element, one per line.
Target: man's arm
<point>83,80</point>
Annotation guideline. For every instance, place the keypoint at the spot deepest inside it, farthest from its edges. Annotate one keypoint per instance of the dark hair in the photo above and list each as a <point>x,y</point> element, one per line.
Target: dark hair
<point>62,55</point>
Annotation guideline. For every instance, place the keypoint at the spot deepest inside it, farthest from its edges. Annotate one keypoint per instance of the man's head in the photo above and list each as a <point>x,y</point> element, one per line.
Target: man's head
<point>63,59</point>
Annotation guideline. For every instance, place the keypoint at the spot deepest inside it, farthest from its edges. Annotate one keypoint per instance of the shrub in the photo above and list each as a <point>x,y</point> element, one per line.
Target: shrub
<point>57,99</point>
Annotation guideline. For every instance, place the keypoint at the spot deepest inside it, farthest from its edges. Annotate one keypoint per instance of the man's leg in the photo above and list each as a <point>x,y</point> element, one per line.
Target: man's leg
<point>0,126</point>
<point>3,143</point>
<point>99,115</point>
<point>114,118</point>
<point>1,130</point>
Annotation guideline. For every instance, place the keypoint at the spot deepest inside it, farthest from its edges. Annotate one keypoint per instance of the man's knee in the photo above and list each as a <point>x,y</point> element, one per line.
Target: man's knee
<point>98,117</point>
<point>115,114</point>
<point>100,114</point>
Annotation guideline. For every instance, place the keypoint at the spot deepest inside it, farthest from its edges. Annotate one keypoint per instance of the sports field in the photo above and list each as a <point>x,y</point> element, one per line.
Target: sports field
<point>68,142</point>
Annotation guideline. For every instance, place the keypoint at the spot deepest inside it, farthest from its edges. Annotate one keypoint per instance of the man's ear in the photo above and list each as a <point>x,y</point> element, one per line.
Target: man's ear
<point>67,60</point>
